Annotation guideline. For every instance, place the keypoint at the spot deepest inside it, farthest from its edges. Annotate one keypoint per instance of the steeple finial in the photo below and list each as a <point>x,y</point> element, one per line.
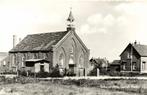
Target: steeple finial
<point>70,17</point>
<point>70,21</point>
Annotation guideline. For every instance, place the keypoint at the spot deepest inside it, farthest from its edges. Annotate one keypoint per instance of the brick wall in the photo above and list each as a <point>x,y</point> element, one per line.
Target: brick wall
<point>65,46</point>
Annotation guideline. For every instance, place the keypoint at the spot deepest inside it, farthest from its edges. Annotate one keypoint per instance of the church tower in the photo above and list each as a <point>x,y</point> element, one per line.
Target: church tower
<point>70,21</point>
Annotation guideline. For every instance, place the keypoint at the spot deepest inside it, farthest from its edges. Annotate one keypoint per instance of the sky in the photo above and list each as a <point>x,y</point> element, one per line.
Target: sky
<point>105,26</point>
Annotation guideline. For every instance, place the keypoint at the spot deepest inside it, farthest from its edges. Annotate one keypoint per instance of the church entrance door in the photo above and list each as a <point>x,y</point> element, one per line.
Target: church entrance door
<point>71,69</point>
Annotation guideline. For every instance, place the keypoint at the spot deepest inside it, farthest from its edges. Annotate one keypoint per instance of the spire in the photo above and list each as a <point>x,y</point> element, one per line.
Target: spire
<point>70,17</point>
<point>70,20</point>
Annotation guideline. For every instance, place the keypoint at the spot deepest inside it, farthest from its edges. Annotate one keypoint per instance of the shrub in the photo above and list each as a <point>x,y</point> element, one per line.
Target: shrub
<point>70,74</point>
<point>55,72</point>
<point>22,73</point>
<point>42,74</point>
<point>114,73</point>
<point>93,72</point>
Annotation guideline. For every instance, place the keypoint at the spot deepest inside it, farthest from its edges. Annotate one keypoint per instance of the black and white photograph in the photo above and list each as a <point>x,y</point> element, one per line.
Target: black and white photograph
<point>73,47</point>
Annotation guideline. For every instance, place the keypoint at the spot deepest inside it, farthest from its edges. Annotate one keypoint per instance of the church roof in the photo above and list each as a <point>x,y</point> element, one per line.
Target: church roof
<point>39,42</point>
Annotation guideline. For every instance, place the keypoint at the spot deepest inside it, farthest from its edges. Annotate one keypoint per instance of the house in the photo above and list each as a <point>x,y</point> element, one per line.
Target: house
<point>3,55</point>
<point>99,66</point>
<point>115,65</point>
<point>41,52</point>
<point>99,62</point>
<point>4,59</point>
<point>134,58</point>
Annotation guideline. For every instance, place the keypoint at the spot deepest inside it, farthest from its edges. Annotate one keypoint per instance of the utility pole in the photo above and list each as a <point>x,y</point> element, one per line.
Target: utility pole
<point>131,56</point>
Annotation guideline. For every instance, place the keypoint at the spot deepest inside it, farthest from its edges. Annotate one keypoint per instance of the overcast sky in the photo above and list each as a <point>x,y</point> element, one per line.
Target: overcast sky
<point>106,26</point>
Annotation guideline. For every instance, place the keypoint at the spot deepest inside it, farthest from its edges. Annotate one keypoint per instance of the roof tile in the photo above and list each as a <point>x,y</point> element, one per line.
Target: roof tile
<point>35,42</point>
<point>141,49</point>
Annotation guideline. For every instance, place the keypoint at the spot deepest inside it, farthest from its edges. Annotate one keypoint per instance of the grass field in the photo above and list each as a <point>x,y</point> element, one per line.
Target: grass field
<point>74,87</point>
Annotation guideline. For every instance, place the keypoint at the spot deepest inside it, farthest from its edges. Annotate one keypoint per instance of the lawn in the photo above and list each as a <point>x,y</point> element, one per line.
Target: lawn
<point>30,86</point>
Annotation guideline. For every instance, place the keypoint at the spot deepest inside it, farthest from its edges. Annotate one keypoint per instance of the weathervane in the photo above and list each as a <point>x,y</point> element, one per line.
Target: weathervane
<point>70,18</point>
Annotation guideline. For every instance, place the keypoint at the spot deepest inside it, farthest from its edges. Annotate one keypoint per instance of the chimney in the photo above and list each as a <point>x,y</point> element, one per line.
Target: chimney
<point>14,41</point>
<point>135,42</point>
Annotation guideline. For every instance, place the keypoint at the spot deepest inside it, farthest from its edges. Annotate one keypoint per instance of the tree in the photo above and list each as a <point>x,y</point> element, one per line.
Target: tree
<point>99,63</point>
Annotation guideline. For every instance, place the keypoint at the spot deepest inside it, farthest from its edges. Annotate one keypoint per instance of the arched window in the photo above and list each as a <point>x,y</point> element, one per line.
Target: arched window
<point>13,60</point>
<point>72,50</point>
<point>81,61</point>
<point>71,60</point>
<point>61,60</point>
<point>71,56</point>
<point>22,61</point>
<point>4,63</point>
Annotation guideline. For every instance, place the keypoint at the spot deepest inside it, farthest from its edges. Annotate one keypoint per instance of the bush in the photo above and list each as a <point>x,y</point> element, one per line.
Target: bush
<point>93,72</point>
<point>42,74</point>
<point>9,72</point>
<point>55,72</point>
<point>22,73</point>
<point>114,73</point>
<point>70,74</point>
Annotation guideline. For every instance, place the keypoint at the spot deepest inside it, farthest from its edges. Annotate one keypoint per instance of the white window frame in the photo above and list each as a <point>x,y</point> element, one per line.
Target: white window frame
<point>143,65</point>
<point>124,66</point>
<point>134,66</point>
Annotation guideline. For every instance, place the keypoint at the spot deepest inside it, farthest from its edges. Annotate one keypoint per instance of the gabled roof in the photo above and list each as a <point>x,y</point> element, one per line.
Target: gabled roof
<point>115,62</point>
<point>141,49</point>
<point>39,42</point>
<point>3,55</point>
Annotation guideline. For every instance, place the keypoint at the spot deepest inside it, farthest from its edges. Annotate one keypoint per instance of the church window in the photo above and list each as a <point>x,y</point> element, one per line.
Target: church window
<point>71,59</point>
<point>22,61</point>
<point>13,60</point>
<point>61,60</point>
<point>4,63</point>
<point>81,61</point>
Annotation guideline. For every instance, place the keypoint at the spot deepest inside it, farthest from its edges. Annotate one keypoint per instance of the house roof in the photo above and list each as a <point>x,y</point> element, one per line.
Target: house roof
<point>39,42</point>
<point>115,62</point>
<point>141,49</point>
<point>3,55</point>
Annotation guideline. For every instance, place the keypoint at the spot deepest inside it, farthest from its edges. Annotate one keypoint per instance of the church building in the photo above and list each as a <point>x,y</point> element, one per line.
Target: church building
<point>41,52</point>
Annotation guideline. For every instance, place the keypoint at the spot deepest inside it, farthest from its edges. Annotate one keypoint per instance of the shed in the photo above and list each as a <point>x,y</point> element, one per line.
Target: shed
<point>37,65</point>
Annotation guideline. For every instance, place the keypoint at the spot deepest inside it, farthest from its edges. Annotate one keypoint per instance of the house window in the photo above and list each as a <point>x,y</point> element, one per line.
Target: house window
<point>134,66</point>
<point>124,66</point>
<point>143,65</point>
<point>128,55</point>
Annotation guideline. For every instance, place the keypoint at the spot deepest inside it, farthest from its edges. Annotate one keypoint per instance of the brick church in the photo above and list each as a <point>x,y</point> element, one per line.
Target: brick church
<point>40,52</point>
